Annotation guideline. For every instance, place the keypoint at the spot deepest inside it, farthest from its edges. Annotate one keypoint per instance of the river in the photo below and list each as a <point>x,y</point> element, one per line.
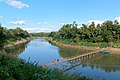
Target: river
<point>102,67</point>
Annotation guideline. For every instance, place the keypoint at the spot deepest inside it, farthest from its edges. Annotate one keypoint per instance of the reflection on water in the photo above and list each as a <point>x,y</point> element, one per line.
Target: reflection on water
<point>106,67</point>
<point>15,50</point>
<point>41,51</point>
<point>109,63</point>
<point>100,66</point>
<point>70,52</point>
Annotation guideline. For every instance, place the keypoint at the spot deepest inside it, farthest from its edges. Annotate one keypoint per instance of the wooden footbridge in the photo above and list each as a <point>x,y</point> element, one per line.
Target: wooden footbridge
<point>85,56</point>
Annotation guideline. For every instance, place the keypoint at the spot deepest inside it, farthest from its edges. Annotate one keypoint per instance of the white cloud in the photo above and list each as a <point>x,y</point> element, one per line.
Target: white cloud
<point>20,22</point>
<point>95,21</point>
<point>15,3</point>
<point>35,30</point>
<point>118,19</point>
<point>42,23</point>
<point>1,17</point>
<point>101,21</point>
<point>62,24</point>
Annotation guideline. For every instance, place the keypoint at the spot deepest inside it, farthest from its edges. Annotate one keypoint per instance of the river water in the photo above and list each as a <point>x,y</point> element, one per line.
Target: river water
<point>102,67</point>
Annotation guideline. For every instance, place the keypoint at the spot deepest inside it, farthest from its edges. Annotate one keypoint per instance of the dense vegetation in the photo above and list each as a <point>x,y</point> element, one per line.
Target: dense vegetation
<point>12,34</point>
<point>14,69</point>
<point>101,35</point>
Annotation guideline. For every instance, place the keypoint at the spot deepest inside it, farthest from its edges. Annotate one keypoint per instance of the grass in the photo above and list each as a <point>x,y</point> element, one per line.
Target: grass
<point>14,69</point>
<point>90,44</point>
<point>85,43</point>
<point>115,44</point>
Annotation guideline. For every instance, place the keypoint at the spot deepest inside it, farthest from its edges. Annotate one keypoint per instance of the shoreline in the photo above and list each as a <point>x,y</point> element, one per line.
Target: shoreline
<point>17,42</point>
<point>111,49</point>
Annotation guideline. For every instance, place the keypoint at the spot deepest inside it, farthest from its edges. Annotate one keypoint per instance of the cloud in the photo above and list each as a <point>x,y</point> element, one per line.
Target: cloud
<point>42,23</point>
<point>15,3</point>
<point>101,21</point>
<point>1,17</point>
<point>20,22</point>
<point>62,24</point>
<point>95,21</point>
<point>36,30</point>
<point>118,19</point>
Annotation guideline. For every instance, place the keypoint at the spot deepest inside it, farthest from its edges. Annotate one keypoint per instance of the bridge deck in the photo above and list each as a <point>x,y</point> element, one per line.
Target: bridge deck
<point>72,58</point>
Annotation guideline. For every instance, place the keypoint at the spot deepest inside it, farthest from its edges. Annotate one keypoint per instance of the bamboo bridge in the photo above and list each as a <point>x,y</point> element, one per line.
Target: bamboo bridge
<point>83,56</point>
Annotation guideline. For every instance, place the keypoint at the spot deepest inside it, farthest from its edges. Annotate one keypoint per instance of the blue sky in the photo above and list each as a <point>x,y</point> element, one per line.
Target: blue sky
<point>49,15</point>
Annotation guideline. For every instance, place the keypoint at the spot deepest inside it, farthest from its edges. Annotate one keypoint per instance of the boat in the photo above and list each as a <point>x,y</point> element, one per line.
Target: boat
<point>105,52</point>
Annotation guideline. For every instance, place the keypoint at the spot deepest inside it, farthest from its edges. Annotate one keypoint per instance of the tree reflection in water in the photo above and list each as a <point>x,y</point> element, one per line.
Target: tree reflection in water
<point>15,50</point>
<point>108,63</point>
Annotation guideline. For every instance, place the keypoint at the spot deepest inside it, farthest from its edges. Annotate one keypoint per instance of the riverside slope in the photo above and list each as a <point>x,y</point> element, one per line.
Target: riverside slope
<point>17,42</point>
<point>111,49</point>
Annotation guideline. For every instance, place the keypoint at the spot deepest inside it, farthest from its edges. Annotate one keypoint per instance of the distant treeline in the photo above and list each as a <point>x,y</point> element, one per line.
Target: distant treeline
<point>41,34</point>
<point>12,34</point>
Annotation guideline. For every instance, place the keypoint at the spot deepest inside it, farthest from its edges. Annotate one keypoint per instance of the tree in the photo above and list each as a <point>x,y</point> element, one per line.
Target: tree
<point>108,31</point>
<point>12,34</point>
<point>64,32</point>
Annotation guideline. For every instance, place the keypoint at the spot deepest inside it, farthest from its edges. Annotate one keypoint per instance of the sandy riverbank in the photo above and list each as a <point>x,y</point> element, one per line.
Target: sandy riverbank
<point>113,50</point>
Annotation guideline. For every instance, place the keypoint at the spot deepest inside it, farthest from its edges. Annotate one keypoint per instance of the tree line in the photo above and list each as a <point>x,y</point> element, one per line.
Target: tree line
<point>109,31</point>
<point>41,34</point>
<point>12,34</point>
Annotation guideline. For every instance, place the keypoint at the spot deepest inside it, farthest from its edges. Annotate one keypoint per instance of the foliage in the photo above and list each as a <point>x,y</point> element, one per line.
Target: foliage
<point>104,34</point>
<point>41,34</point>
<point>14,69</point>
<point>12,34</point>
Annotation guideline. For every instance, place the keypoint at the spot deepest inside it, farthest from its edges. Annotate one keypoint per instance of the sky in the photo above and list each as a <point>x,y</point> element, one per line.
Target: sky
<point>50,15</point>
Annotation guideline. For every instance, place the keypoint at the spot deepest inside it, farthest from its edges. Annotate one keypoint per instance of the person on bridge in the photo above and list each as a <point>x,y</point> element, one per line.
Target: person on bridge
<point>57,60</point>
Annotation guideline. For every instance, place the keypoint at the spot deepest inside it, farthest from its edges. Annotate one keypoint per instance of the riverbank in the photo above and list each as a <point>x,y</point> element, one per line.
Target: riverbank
<point>17,42</point>
<point>111,49</point>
